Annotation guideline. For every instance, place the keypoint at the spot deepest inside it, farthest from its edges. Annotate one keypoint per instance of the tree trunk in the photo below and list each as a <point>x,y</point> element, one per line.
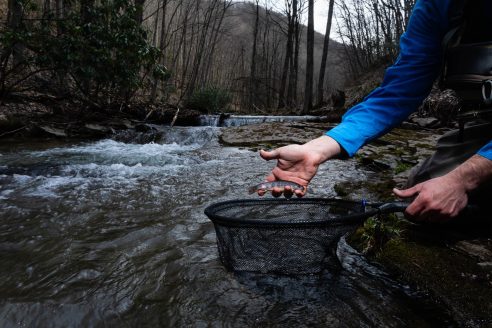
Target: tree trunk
<point>139,9</point>
<point>214,40</point>
<point>294,59</point>
<point>200,47</point>
<point>252,74</point>
<point>297,41</point>
<point>85,5</point>
<point>86,84</point>
<point>153,93</point>
<point>324,56</point>
<point>14,19</point>
<point>287,59</point>
<point>308,90</point>
<point>46,8</point>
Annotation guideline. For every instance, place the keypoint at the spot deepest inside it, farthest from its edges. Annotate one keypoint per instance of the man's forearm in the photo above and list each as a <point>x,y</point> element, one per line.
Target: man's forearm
<point>474,172</point>
<point>324,147</point>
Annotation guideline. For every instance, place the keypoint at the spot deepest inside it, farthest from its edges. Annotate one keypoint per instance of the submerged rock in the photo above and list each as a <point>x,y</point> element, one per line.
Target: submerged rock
<point>57,132</point>
<point>269,135</point>
<point>97,128</point>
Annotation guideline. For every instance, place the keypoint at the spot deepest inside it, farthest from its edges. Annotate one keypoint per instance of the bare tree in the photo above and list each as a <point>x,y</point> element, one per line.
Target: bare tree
<point>371,30</point>
<point>294,59</point>
<point>252,88</point>
<point>14,20</point>
<point>288,53</point>
<point>139,9</point>
<point>324,56</point>
<point>308,90</point>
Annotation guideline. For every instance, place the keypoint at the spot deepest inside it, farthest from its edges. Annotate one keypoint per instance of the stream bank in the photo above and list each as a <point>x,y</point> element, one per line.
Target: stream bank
<point>43,117</point>
<point>450,262</point>
<point>113,231</point>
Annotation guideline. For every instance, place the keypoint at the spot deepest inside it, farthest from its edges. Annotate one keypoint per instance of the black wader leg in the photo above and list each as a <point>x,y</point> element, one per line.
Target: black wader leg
<point>451,151</point>
<point>461,133</point>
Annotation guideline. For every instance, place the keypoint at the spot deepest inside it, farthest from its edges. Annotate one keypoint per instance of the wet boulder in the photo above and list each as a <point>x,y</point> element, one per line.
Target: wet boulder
<point>270,135</point>
<point>53,130</point>
<point>98,130</point>
<point>426,122</point>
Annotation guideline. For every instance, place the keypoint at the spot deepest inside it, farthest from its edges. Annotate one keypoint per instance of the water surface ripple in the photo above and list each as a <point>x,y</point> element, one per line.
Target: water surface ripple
<point>113,234</point>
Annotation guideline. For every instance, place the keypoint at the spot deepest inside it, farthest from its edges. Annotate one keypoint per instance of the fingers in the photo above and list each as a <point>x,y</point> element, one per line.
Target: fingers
<point>269,155</point>
<point>426,208</point>
<point>414,210</point>
<point>405,193</point>
<point>288,192</point>
<point>300,193</point>
<point>277,192</point>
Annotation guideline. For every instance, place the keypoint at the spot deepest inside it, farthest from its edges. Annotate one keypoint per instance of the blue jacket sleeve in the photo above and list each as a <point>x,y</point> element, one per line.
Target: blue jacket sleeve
<point>486,151</point>
<point>406,84</point>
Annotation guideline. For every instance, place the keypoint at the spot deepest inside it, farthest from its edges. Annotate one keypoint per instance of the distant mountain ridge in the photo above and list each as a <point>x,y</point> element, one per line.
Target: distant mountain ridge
<point>242,17</point>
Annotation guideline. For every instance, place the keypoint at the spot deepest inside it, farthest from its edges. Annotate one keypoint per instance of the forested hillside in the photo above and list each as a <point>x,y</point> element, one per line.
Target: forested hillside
<point>210,55</point>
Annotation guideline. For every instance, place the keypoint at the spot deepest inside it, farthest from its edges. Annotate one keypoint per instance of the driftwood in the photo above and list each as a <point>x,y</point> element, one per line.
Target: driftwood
<point>175,118</point>
<point>148,115</point>
<point>13,131</point>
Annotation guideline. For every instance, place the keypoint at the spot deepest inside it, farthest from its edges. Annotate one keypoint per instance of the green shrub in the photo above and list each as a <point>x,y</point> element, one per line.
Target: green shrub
<point>377,231</point>
<point>209,100</point>
<point>102,57</point>
<point>107,53</point>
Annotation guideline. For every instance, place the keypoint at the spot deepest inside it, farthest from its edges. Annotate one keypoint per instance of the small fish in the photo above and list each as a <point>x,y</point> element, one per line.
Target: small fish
<point>268,186</point>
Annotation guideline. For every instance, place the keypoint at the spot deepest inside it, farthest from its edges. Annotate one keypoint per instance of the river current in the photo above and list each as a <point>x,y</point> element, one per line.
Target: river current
<point>107,233</point>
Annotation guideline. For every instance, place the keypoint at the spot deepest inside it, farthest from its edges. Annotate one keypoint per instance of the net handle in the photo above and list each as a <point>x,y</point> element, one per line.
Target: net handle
<point>393,207</point>
<point>400,207</point>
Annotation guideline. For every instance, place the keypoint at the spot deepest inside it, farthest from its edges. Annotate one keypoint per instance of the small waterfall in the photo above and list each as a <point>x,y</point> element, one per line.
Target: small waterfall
<point>197,136</point>
<point>224,120</point>
<point>161,134</point>
<point>209,120</point>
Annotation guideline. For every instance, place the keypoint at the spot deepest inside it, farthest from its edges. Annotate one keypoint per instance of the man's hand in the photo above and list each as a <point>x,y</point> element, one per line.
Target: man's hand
<point>299,163</point>
<point>437,200</point>
<point>441,199</point>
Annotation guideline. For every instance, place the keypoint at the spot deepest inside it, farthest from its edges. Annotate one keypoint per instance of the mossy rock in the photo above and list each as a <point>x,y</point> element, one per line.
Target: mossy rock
<point>426,259</point>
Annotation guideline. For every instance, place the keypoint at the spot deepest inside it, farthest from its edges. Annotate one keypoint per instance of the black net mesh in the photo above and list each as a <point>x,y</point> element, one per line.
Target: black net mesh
<point>296,236</point>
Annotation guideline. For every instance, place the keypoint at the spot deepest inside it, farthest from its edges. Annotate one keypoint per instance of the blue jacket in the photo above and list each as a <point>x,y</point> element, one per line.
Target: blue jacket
<point>406,84</point>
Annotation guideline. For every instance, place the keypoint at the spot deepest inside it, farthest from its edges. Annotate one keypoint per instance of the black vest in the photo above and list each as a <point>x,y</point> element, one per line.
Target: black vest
<point>468,52</point>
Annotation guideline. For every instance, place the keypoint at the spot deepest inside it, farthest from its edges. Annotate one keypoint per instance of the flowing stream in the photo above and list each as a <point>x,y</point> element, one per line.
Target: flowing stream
<point>225,120</point>
<point>108,233</point>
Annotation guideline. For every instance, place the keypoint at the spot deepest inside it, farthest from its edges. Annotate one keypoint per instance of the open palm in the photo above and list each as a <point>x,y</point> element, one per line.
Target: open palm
<point>294,163</point>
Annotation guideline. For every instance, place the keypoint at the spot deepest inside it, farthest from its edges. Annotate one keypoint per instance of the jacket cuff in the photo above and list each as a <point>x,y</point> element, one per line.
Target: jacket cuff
<point>347,138</point>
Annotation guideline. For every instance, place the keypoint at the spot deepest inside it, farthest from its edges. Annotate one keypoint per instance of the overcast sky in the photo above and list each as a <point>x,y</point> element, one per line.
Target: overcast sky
<point>320,13</point>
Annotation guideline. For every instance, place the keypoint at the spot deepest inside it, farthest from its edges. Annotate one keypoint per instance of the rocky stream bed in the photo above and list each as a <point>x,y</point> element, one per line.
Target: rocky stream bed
<point>452,262</point>
<point>112,231</point>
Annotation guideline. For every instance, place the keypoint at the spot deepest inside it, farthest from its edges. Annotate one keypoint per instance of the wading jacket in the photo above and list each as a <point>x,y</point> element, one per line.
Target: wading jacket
<point>406,83</point>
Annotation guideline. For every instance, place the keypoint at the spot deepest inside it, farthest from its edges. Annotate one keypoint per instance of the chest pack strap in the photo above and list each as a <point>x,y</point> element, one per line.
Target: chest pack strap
<point>456,21</point>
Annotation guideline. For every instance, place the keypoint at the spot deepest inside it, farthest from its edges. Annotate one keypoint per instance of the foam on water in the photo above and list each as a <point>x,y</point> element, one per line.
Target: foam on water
<point>20,178</point>
<point>113,233</point>
<point>110,151</point>
<point>110,166</point>
<point>93,170</point>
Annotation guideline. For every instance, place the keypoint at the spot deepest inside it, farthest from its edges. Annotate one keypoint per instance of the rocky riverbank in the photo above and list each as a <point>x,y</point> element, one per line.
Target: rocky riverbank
<point>450,262</point>
<point>31,117</point>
